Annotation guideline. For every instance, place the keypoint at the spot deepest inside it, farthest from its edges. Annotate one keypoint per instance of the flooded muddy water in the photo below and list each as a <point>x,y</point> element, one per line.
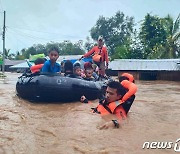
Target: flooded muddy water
<point>31,128</point>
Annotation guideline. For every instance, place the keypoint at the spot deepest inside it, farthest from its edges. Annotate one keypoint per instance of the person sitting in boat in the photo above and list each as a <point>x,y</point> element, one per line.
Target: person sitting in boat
<point>88,74</point>
<point>77,72</point>
<point>87,65</point>
<point>51,66</point>
<point>131,88</point>
<point>88,71</point>
<point>111,104</point>
<point>80,72</point>
<point>90,66</point>
<point>39,62</point>
<point>68,69</point>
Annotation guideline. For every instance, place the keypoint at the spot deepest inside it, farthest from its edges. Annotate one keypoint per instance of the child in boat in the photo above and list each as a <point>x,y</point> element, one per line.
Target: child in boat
<point>51,66</point>
<point>88,71</point>
<point>77,70</point>
<point>88,74</point>
<point>68,68</point>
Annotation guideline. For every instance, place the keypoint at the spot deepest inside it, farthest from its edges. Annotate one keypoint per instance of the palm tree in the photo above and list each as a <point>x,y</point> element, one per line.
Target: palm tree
<point>173,34</point>
<point>9,55</point>
<point>7,52</point>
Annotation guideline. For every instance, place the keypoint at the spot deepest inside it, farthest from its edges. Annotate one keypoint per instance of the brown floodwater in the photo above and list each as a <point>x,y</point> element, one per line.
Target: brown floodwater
<point>31,128</point>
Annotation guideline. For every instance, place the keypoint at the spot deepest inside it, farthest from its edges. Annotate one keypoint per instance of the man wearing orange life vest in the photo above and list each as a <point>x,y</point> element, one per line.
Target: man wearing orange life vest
<point>111,104</point>
<point>99,55</point>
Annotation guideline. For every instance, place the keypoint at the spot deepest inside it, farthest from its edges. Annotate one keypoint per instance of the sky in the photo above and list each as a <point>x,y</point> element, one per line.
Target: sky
<point>31,22</point>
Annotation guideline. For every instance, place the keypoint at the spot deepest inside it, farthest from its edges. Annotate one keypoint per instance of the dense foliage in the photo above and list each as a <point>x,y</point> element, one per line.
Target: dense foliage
<point>160,37</point>
<point>157,38</point>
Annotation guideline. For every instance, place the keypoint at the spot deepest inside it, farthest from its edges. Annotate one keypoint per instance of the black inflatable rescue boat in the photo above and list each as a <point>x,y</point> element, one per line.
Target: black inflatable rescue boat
<point>56,88</point>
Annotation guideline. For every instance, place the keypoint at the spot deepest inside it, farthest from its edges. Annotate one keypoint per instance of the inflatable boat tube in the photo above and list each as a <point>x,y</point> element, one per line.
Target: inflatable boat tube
<point>56,88</point>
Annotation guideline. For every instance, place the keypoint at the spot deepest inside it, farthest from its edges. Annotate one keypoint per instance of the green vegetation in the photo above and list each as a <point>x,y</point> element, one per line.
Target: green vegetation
<point>117,31</point>
<point>157,38</point>
<point>1,61</point>
<point>160,37</point>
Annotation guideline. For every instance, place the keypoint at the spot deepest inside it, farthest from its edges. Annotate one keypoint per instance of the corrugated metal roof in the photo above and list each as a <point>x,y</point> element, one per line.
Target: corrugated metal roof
<point>21,65</point>
<point>130,64</point>
<point>142,64</point>
<point>13,62</point>
<point>61,58</point>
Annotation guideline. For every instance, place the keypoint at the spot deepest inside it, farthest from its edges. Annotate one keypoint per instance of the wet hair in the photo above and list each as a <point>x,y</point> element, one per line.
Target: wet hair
<point>116,85</point>
<point>68,67</point>
<point>121,78</point>
<point>53,49</point>
<point>88,65</point>
<point>89,69</point>
<point>39,61</point>
<point>76,67</point>
<point>77,64</point>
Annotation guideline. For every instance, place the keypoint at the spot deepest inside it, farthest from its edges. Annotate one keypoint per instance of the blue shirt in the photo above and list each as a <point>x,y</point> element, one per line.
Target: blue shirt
<point>47,67</point>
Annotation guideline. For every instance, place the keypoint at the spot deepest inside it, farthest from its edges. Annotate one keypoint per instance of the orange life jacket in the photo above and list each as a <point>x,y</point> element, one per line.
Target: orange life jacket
<point>110,108</point>
<point>36,68</point>
<point>99,55</point>
<point>131,87</point>
<point>97,58</point>
<point>129,76</point>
